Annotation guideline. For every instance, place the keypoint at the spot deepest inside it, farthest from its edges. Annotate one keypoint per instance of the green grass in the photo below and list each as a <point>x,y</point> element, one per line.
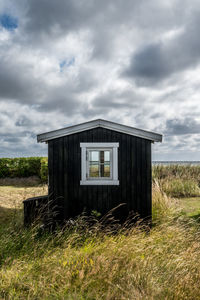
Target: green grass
<point>83,262</point>
<point>190,206</point>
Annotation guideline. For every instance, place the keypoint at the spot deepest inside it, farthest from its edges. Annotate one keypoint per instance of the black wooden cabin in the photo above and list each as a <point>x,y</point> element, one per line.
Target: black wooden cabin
<point>98,165</point>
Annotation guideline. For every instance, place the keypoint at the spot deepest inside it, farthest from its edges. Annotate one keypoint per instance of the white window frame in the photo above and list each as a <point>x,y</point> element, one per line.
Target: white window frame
<point>113,147</point>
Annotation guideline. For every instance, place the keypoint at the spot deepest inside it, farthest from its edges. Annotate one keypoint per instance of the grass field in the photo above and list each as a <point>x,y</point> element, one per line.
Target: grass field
<point>88,263</point>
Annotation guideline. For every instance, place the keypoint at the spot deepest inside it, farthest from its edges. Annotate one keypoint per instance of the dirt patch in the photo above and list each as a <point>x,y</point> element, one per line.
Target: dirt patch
<point>24,181</point>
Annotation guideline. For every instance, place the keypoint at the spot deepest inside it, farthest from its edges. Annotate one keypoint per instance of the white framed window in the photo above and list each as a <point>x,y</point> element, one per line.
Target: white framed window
<point>99,163</point>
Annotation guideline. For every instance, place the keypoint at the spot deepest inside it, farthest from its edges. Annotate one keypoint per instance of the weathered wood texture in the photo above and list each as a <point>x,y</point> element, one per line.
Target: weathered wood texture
<point>134,167</point>
<point>35,209</point>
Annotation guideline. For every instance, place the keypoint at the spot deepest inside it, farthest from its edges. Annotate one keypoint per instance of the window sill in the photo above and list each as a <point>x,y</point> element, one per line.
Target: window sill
<point>99,182</point>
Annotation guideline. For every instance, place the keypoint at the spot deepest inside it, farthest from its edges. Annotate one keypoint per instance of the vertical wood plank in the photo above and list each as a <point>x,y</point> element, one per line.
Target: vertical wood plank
<point>143,179</point>
<point>134,171</point>
<point>84,137</point>
<point>65,171</point>
<point>128,172</point>
<point>50,169</point>
<point>58,178</point>
<point>149,180</point>
<point>133,167</point>
<point>138,174</point>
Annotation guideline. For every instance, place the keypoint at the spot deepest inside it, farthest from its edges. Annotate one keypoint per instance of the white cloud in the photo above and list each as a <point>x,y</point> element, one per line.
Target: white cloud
<point>102,39</point>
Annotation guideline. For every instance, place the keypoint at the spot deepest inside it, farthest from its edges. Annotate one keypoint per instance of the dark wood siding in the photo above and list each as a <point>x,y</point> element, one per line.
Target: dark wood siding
<point>134,167</point>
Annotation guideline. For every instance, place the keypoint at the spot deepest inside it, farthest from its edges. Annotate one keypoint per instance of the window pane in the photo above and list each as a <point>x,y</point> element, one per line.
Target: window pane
<point>99,163</point>
<point>93,169</point>
<point>94,155</point>
<point>106,170</point>
<point>106,155</point>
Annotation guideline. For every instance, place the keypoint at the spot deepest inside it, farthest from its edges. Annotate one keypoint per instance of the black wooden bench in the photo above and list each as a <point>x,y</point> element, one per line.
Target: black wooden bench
<point>35,208</point>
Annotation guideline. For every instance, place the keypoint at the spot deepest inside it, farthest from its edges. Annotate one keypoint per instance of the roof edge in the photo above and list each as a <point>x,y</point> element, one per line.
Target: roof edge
<point>152,136</point>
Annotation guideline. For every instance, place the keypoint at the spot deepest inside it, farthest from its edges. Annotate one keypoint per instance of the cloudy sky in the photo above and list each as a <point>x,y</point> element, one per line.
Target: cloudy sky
<point>68,61</point>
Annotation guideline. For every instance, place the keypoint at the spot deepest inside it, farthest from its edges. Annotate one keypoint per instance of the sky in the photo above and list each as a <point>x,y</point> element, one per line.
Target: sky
<point>69,61</point>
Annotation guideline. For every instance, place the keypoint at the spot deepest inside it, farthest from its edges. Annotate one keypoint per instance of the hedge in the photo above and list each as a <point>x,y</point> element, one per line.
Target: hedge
<point>24,167</point>
<point>44,169</point>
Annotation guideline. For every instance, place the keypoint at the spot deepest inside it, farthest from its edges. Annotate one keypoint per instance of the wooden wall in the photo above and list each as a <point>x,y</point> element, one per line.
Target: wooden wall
<point>134,167</point>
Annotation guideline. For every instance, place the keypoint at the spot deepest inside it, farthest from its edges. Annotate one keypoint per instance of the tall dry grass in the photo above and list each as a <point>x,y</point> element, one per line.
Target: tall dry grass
<point>178,180</point>
<point>86,262</point>
<point>176,171</point>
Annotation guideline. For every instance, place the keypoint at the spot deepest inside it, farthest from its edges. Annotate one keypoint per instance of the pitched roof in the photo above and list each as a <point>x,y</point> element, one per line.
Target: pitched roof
<point>152,136</point>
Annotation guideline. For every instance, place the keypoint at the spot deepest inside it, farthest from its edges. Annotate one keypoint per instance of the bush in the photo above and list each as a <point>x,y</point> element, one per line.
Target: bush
<point>44,169</point>
<point>23,167</point>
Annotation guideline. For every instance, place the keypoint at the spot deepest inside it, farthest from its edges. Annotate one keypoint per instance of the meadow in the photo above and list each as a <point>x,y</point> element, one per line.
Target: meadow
<point>113,262</point>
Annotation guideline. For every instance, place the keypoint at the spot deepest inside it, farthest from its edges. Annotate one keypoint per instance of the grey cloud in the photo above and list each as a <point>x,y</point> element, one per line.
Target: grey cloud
<point>12,139</point>
<point>22,149</point>
<point>61,102</point>
<point>85,81</point>
<point>182,126</point>
<point>114,100</point>
<point>16,81</point>
<point>106,32</point>
<point>157,61</point>
<point>149,65</point>
<point>67,15</point>
<point>156,115</point>
<point>23,121</point>
<point>51,17</point>
<point>66,98</point>
<point>46,20</point>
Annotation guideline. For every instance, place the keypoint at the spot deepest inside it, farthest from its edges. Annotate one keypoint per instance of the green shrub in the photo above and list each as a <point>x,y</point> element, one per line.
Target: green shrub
<point>24,167</point>
<point>44,169</point>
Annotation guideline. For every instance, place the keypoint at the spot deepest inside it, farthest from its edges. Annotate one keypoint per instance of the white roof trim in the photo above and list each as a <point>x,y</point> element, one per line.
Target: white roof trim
<point>152,136</point>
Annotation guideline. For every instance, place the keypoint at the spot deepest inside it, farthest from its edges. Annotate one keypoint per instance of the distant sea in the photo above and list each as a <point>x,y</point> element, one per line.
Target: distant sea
<point>180,162</point>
